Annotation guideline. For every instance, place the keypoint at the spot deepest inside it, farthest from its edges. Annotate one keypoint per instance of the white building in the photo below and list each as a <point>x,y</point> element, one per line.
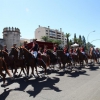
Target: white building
<point>11,36</point>
<point>50,33</point>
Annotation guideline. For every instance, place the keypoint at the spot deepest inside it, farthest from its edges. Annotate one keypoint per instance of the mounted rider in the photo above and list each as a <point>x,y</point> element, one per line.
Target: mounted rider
<point>34,50</point>
<point>55,48</point>
<point>82,50</point>
<point>66,52</point>
<point>97,51</point>
<point>71,50</point>
<point>14,46</point>
<point>45,50</point>
<point>5,48</point>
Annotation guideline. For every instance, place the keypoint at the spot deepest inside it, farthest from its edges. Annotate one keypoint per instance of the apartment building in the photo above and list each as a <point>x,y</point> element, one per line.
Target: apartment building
<point>50,33</point>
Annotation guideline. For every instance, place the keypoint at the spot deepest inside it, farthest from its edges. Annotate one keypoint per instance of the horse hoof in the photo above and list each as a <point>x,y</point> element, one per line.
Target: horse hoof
<point>12,78</point>
<point>31,75</point>
<point>19,75</point>
<point>64,70</point>
<point>4,84</point>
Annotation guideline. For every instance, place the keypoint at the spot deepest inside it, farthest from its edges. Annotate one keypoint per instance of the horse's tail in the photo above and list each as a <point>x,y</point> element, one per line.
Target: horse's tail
<point>5,68</point>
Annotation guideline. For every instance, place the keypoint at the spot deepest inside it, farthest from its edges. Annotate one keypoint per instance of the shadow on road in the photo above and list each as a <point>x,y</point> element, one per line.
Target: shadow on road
<point>37,84</point>
<point>93,68</point>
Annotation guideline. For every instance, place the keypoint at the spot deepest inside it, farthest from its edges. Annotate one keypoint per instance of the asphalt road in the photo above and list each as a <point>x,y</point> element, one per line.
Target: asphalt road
<point>57,85</point>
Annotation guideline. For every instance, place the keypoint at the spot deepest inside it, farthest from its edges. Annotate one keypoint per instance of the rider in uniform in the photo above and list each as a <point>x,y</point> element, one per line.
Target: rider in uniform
<point>45,50</point>
<point>34,49</point>
<point>66,52</point>
<point>14,46</point>
<point>83,50</point>
<point>55,48</point>
<point>5,48</point>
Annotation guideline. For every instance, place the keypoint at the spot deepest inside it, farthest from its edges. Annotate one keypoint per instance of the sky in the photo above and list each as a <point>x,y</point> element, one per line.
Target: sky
<point>73,16</point>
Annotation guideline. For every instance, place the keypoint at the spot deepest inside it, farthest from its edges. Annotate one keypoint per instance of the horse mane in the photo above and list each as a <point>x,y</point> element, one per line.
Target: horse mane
<point>26,50</point>
<point>14,48</point>
<point>5,52</point>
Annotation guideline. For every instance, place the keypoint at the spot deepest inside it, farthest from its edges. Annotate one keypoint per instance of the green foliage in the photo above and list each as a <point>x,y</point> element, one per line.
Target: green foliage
<point>80,42</point>
<point>75,38</point>
<point>88,45</point>
<point>44,38</point>
<point>54,41</point>
<point>67,35</point>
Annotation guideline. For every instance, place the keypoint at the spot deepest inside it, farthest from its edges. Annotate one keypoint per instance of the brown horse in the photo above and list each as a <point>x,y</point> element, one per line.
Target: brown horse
<point>64,58</point>
<point>75,58</point>
<point>31,60</point>
<point>18,62</point>
<point>82,57</point>
<point>45,58</point>
<point>3,67</point>
<point>53,58</point>
<point>9,61</point>
<point>92,55</point>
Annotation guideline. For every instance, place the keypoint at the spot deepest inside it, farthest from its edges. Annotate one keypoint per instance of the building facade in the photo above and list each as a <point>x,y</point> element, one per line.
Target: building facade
<point>11,36</point>
<point>50,33</point>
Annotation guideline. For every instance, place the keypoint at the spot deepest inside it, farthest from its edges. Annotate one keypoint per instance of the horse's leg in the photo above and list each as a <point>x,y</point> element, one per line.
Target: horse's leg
<point>20,72</point>
<point>45,67</point>
<point>63,66</point>
<point>32,68</point>
<point>36,70</point>
<point>15,70</point>
<point>3,76</point>
<point>23,70</point>
<point>59,62</point>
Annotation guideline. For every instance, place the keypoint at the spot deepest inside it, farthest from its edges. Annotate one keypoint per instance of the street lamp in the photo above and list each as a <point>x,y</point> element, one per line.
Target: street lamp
<point>87,38</point>
<point>94,40</point>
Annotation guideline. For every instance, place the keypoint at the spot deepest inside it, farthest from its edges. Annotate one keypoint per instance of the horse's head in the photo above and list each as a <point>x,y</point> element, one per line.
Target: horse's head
<point>13,51</point>
<point>1,54</point>
<point>24,51</point>
<point>48,52</point>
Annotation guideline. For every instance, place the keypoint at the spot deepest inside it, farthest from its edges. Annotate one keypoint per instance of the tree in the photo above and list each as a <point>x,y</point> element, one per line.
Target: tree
<point>44,38</point>
<point>67,35</point>
<point>88,45</point>
<point>84,42</point>
<point>80,42</point>
<point>70,42</point>
<point>75,38</point>
<point>54,41</point>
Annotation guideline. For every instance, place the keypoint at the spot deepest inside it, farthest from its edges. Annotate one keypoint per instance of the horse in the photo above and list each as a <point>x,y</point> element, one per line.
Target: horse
<point>92,55</point>
<point>53,58</point>
<point>82,57</point>
<point>18,62</point>
<point>3,67</point>
<point>64,58</point>
<point>75,58</point>
<point>45,58</point>
<point>31,61</point>
<point>9,61</point>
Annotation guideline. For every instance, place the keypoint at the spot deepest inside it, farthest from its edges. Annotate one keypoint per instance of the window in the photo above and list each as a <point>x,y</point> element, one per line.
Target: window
<point>52,33</point>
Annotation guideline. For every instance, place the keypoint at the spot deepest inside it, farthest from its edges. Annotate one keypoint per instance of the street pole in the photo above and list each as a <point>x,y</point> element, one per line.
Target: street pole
<point>94,40</point>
